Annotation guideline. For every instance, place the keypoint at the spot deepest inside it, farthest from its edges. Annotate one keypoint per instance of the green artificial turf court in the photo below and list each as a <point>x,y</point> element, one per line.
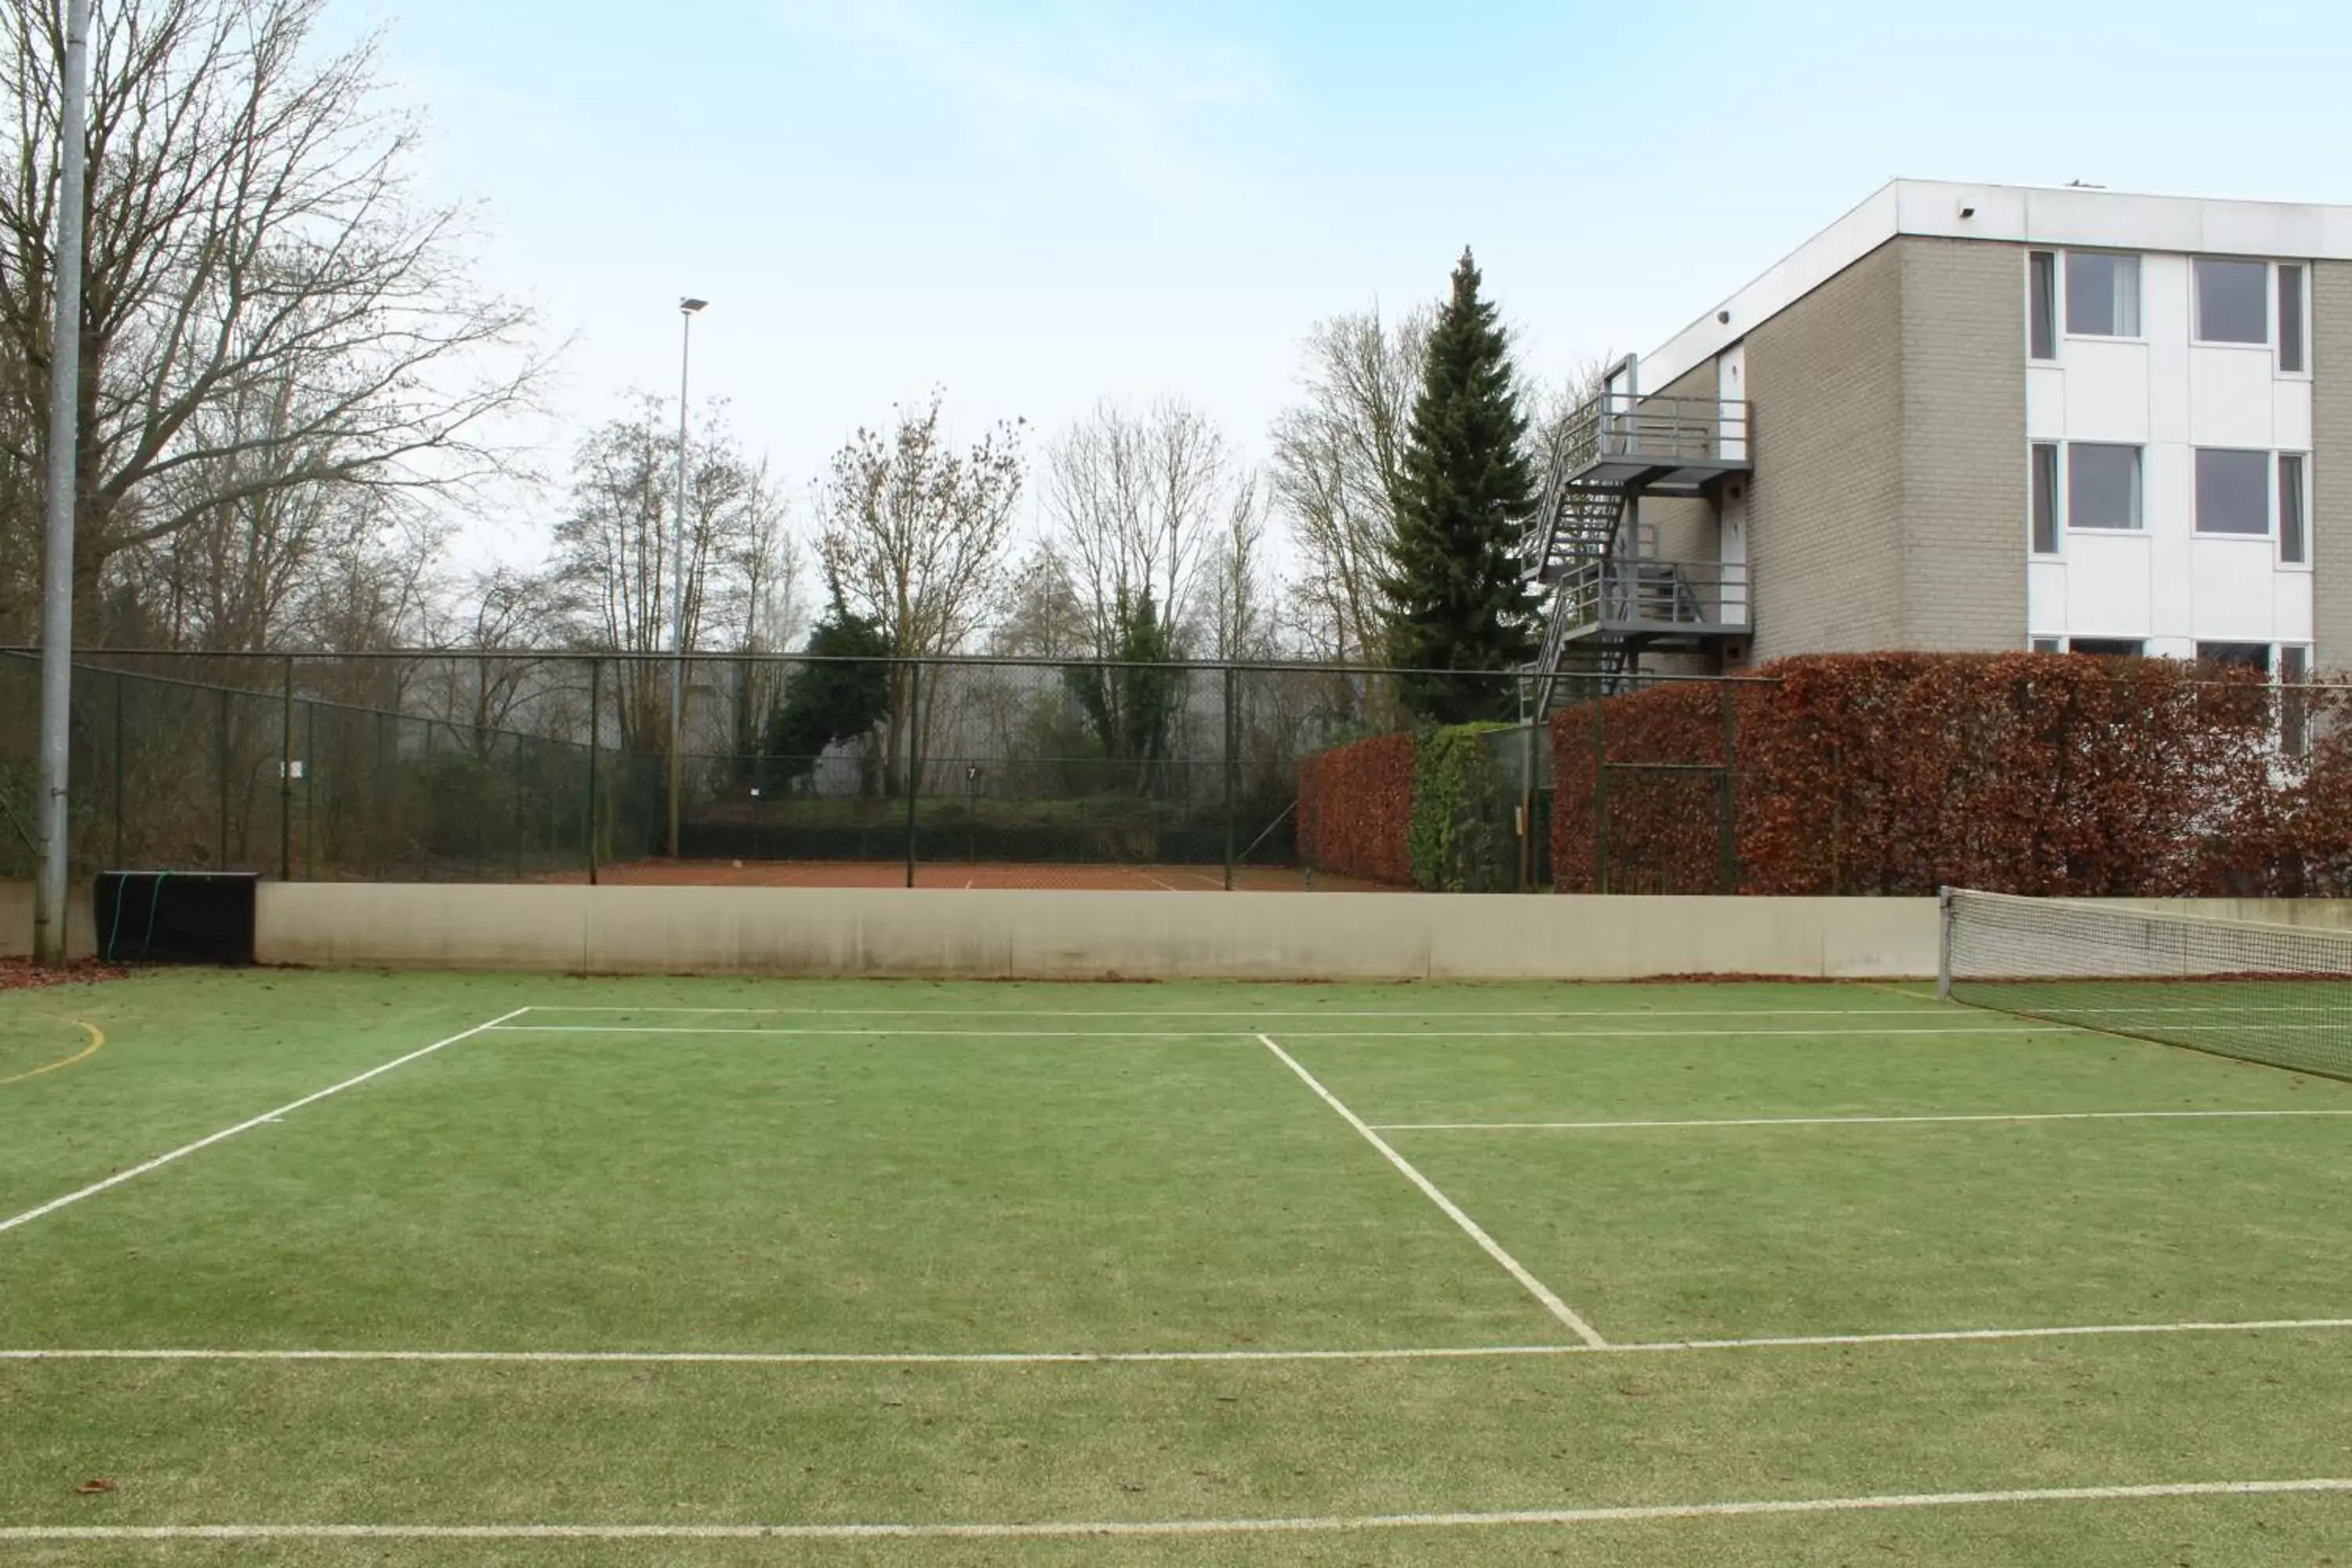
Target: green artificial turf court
<point>665,1261</point>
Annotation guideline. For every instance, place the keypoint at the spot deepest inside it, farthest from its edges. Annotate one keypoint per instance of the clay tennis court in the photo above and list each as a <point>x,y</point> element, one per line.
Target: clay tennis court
<point>977,875</point>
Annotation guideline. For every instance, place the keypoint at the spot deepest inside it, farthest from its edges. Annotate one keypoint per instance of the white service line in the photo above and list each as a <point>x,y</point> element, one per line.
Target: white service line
<point>1118,1358</point>
<point>160,1161</point>
<point>1847,1121</point>
<point>1441,1032</point>
<point>1259,1012</point>
<point>1470,1227</point>
<point>1324,1524</point>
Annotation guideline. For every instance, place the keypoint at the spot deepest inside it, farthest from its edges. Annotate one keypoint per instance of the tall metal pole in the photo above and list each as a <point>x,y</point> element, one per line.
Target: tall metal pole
<point>687,308</point>
<point>49,889</point>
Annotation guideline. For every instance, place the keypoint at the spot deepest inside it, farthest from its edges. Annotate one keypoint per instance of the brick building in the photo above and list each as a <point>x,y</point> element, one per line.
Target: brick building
<point>1981,417</point>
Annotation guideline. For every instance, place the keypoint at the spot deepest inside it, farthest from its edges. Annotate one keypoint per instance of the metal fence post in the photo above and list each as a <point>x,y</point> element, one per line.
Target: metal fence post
<point>1727,847</point>
<point>1599,799</point>
<point>595,755</point>
<point>1528,802</point>
<point>1232,766</point>
<point>118,769</point>
<point>286,778</point>
<point>914,756</point>
<point>309,790</point>
<point>220,755</point>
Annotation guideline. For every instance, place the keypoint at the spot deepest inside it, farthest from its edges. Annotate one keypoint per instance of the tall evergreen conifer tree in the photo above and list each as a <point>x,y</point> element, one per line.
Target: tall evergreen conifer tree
<point>1458,585</point>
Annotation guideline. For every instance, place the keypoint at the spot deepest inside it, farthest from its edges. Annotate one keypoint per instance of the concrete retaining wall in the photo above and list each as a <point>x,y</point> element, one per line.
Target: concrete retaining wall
<point>1088,936</point>
<point>17,921</point>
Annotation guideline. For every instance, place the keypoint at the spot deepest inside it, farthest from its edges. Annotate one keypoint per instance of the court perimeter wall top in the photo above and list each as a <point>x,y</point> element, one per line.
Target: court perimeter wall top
<point>1068,935</point>
<point>1072,935</point>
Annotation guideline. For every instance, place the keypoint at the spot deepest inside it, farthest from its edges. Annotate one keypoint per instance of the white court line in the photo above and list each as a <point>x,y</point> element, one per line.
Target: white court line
<point>1847,1121</point>
<point>1150,1358</point>
<point>1164,887</point>
<point>1258,1012</point>
<point>1443,1032</point>
<point>1072,1530</point>
<point>160,1161</point>
<point>1533,1287</point>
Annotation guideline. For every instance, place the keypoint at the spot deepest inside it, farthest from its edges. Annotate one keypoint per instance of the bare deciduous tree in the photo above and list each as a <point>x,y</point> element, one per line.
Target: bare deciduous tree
<point>1237,598</point>
<point>914,541</point>
<point>1136,502</point>
<point>1339,457</point>
<point>266,307</point>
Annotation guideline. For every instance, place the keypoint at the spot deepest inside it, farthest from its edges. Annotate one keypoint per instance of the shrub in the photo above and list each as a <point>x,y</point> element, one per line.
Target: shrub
<point>1455,841</point>
<point>1355,810</point>
<point>1891,774</point>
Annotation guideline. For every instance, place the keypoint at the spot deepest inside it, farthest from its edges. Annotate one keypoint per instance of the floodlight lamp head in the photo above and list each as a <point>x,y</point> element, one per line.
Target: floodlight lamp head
<point>690,305</point>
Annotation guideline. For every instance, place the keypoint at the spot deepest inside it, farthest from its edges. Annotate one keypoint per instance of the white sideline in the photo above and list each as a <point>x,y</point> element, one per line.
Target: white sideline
<point>1848,1121</point>
<point>1533,1287</point>
<point>1443,1032</point>
<point>1054,1529</point>
<point>1258,1012</point>
<point>1119,1358</point>
<point>160,1161</point>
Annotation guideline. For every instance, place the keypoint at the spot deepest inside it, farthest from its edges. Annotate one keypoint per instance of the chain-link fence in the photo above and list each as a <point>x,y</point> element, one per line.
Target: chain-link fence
<point>538,766</point>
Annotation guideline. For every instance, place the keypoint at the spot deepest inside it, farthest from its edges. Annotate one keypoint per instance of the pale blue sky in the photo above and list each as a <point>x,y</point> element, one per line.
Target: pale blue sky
<point>1041,204</point>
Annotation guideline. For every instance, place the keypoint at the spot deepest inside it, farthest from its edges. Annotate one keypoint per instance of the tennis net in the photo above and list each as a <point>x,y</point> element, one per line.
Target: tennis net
<point>2275,993</point>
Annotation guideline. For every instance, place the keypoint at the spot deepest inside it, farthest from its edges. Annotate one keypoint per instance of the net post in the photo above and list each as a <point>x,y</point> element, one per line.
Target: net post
<point>1943,944</point>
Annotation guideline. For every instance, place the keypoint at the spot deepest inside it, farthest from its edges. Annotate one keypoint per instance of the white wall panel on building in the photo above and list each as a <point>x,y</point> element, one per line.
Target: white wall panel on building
<point>2045,598</point>
<point>2107,585</point>
<point>2167,490</point>
<point>2291,616</point>
<point>2165,319</point>
<point>2045,403</point>
<point>2106,391</point>
<point>2171,584</point>
<point>2236,590</point>
<point>2291,415</point>
<point>2231,397</point>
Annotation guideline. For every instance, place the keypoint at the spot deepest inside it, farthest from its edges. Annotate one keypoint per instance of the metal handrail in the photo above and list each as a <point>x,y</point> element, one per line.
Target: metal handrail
<point>1626,424</point>
<point>1640,591</point>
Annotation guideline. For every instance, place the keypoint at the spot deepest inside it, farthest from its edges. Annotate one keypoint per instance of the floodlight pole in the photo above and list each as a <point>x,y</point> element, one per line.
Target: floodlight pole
<point>686,309</point>
<point>52,827</point>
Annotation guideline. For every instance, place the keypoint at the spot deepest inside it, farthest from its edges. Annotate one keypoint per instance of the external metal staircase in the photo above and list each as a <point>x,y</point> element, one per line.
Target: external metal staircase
<point>1611,596</point>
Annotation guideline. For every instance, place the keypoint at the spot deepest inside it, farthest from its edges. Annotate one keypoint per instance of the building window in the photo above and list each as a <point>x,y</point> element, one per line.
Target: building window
<point>2045,498</point>
<point>2294,542</point>
<point>2290,320</point>
<point>2107,647</point>
<point>2102,486</point>
<point>2295,703</point>
<point>2102,294</point>
<point>2255,656</point>
<point>2233,302</point>
<point>2048,645</point>
<point>2042,307</point>
<point>2234,492</point>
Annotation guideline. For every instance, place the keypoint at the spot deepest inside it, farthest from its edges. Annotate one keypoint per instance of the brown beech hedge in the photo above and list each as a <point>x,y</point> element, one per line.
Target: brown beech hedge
<point>1355,810</point>
<point>1893,773</point>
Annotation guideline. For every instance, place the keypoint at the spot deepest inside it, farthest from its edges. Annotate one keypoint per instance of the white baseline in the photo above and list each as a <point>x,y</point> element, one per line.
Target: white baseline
<point>1470,1227</point>
<point>1854,1120</point>
<point>1119,1358</point>
<point>160,1161</point>
<point>1054,1529</point>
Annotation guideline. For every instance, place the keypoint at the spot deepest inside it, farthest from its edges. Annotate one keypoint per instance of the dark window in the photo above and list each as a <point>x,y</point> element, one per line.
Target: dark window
<point>2041,280</point>
<point>2290,313</point>
<point>2294,548</point>
<point>2237,654</point>
<point>2107,647</point>
<point>2102,486</point>
<point>2102,294</point>
<point>2045,499</point>
<point>2048,645</point>
<point>2294,704</point>
<point>2233,302</point>
<point>2234,492</point>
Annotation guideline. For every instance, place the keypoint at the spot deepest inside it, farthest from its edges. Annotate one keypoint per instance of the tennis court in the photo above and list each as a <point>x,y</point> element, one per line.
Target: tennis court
<point>345,1268</point>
